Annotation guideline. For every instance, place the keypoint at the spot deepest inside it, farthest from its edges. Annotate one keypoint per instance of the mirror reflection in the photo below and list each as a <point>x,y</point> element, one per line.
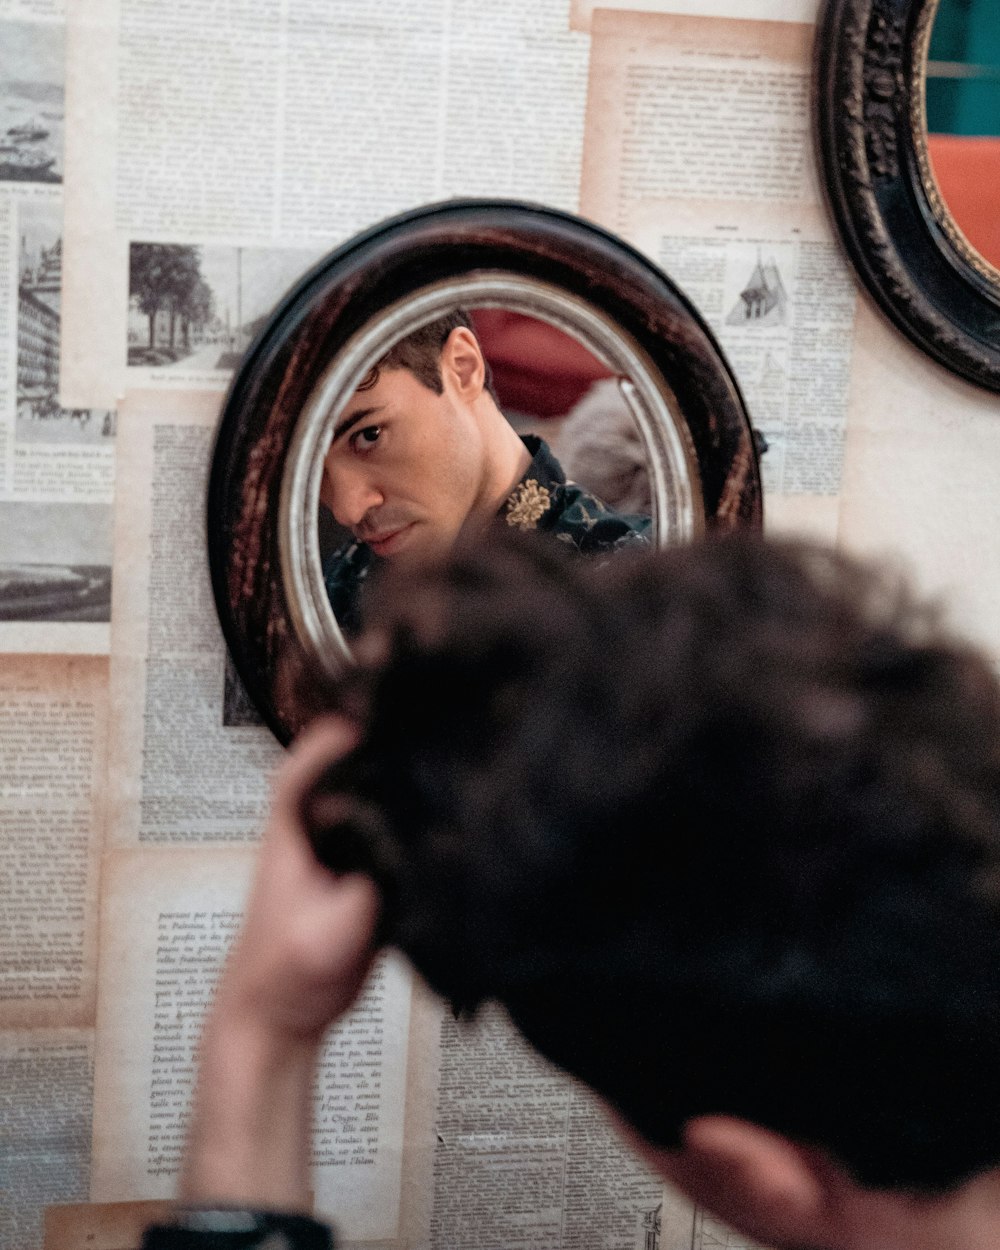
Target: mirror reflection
<point>480,416</point>
<point>963,118</point>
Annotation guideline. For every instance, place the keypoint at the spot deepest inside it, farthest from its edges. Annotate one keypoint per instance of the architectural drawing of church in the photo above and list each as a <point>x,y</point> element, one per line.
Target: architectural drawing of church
<point>763,301</point>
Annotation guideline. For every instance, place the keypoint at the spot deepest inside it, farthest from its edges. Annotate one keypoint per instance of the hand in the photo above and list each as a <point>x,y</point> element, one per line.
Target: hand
<point>300,961</point>
<point>307,941</point>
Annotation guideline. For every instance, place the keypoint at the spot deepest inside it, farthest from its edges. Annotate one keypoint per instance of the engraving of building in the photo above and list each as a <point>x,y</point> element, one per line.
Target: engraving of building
<point>764,300</point>
<point>38,304</point>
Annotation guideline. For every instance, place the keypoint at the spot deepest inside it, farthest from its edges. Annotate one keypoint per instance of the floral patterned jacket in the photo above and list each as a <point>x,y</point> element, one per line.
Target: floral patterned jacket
<point>543,500</point>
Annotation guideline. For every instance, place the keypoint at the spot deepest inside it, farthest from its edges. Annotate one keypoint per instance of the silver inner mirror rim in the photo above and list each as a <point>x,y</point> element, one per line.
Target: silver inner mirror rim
<point>678,509</point>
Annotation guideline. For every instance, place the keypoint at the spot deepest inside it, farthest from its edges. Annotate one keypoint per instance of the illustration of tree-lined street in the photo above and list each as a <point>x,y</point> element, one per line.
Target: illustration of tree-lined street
<point>200,305</point>
<point>167,287</point>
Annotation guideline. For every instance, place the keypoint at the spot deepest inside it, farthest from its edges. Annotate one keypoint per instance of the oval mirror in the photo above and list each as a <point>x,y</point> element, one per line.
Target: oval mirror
<point>468,363</point>
<point>909,224</point>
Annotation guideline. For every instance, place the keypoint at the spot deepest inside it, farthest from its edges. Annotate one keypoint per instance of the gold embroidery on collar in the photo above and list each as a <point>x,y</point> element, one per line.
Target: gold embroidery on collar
<point>527,504</point>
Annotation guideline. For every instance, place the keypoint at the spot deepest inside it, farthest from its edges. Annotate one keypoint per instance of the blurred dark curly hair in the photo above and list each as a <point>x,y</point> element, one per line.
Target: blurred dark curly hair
<point>719,826</point>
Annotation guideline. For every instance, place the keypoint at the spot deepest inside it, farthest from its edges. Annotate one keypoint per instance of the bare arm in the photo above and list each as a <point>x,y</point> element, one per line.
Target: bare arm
<point>302,957</point>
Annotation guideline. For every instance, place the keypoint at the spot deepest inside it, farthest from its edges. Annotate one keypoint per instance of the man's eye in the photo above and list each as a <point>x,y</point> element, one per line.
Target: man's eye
<point>367,437</point>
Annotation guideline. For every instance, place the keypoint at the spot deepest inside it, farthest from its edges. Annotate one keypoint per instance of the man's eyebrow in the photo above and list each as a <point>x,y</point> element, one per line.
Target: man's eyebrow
<point>350,422</point>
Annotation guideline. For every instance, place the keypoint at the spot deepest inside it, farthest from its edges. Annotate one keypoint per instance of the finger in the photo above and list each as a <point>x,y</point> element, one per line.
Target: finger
<point>320,744</point>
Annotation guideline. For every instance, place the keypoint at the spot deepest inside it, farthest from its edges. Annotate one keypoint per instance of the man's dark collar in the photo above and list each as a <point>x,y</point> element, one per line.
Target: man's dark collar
<point>532,497</point>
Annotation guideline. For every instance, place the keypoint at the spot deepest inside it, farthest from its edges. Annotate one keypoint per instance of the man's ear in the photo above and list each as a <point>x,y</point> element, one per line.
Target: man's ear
<point>758,1181</point>
<point>462,363</point>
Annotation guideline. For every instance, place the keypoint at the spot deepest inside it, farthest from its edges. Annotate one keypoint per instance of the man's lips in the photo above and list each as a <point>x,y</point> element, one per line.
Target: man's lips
<point>387,542</point>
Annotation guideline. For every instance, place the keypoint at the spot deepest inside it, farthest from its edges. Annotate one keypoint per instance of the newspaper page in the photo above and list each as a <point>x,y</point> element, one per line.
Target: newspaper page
<point>697,109</point>
<point>189,759</point>
<point>771,284</point>
<point>52,768</point>
<point>698,150</point>
<point>56,464</point>
<point>582,11</point>
<point>526,1158</point>
<point>710,1234</point>
<point>46,1105</point>
<point>168,917</point>
<point>306,122</point>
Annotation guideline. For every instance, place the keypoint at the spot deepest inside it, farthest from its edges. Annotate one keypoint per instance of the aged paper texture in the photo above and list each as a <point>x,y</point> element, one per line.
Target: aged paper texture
<point>525,1157</point>
<point>101,1226</point>
<point>183,769</point>
<point>167,920</point>
<point>53,759</point>
<point>275,105</point>
<point>46,1106</point>
<point>698,151</point>
<point>770,282</point>
<point>688,108</point>
<point>582,11</point>
<point>56,464</point>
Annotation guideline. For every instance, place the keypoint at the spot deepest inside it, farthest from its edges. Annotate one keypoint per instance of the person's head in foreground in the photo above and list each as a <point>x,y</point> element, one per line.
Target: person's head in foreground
<point>421,446</point>
<point>721,829</point>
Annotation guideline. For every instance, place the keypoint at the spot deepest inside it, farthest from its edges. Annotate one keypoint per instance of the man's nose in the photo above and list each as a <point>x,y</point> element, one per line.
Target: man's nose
<point>353,495</point>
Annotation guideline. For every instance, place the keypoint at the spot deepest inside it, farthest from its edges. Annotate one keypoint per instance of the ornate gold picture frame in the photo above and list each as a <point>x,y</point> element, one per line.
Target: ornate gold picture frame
<point>907,249</point>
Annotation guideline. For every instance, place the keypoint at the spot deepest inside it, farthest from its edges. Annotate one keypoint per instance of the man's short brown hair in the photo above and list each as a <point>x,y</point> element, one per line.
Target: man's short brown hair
<point>420,353</point>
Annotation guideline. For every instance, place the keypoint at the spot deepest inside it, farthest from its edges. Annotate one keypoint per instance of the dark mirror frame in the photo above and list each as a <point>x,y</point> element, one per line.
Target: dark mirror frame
<point>870,118</point>
<point>345,294</point>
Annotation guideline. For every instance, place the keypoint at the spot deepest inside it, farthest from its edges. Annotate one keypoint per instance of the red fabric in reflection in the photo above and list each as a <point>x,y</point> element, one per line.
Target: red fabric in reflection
<point>536,368</point>
<point>967,170</point>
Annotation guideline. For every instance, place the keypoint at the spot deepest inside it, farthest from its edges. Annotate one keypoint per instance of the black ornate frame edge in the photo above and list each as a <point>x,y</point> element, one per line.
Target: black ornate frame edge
<point>869,113</point>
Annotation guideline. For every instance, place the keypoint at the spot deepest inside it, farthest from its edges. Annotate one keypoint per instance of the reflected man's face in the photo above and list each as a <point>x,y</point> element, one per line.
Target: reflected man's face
<point>406,466</point>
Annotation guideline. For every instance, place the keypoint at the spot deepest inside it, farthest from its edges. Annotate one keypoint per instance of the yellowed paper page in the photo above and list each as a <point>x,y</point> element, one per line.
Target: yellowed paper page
<point>582,11</point>
<point>698,150</point>
<point>56,465</point>
<point>697,109</point>
<point>46,1106</point>
<point>101,1225</point>
<point>184,768</point>
<point>770,281</point>
<point>167,920</point>
<point>251,140</point>
<point>53,756</point>
<point>526,1156</point>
